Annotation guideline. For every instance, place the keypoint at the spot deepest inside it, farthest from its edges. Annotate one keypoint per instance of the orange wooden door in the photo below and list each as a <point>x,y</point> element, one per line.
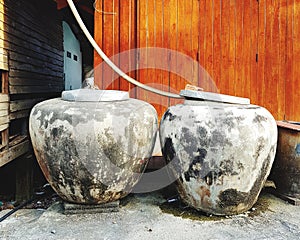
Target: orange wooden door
<point>249,48</point>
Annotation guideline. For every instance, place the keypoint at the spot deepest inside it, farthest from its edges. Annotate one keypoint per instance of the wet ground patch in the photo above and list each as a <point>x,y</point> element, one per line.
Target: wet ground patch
<point>177,208</point>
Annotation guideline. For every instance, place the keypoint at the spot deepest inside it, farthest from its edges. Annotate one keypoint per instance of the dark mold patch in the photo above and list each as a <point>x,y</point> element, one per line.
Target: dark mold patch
<point>259,118</point>
<point>229,167</point>
<point>169,115</point>
<point>260,179</point>
<point>260,147</point>
<point>219,139</point>
<point>54,132</point>
<point>229,122</point>
<point>190,145</point>
<point>212,177</point>
<point>61,168</point>
<point>168,150</point>
<point>231,198</point>
<point>202,132</point>
<point>202,154</point>
<point>170,156</point>
<point>194,170</point>
<point>204,142</point>
<point>187,176</point>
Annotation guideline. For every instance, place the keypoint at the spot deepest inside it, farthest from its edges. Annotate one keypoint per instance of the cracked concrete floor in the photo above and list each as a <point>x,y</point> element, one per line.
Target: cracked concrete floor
<point>141,217</point>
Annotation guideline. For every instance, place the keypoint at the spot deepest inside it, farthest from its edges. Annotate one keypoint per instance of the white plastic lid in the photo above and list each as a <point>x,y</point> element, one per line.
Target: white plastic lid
<point>93,95</point>
<point>213,97</point>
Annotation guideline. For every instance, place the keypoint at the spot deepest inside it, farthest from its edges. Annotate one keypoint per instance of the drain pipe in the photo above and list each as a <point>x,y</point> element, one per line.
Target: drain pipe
<point>109,62</point>
<point>38,195</point>
<point>16,209</point>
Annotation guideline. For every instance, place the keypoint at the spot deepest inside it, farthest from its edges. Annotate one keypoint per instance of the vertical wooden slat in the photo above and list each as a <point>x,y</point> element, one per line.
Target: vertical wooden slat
<point>154,57</point>
<point>173,13</point>
<point>282,51</point>
<point>184,46</point>
<point>232,45</point>
<point>239,78</point>
<point>108,41</point>
<point>125,37</point>
<point>98,34</point>
<point>161,80</point>
<point>195,41</point>
<point>261,52</point>
<point>203,22</point>
<point>223,83</point>
<point>247,49</point>
<point>254,50</point>
<point>166,45</point>
<point>271,61</point>
<point>111,42</point>
<point>294,91</point>
<point>116,43</point>
<point>209,52</point>
<point>202,37</point>
<point>127,42</point>
<point>133,42</point>
<point>217,21</point>
<point>290,60</point>
<point>143,32</point>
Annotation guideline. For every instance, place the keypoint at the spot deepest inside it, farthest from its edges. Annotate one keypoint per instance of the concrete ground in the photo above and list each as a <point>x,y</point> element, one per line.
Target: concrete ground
<point>147,216</point>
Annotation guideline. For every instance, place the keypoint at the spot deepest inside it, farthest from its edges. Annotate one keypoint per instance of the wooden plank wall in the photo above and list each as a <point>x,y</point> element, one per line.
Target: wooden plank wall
<point>119,25</point>
<point>33,36</point>
<point>249,48</point>
<point>31,63</point>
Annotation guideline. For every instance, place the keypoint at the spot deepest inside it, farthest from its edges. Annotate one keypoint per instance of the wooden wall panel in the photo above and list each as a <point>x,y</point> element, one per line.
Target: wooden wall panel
<point>128,42</point>
<point>98,34</point>
<point>255,83</point>
<point>297,59</point>
<point>142,42</point>
<point>31,51</point>
<point>173,45</point>
<point>271,66</point>
<point>34,46</point>
<point>292,90</point>
<point>249,48</point>
<point>111,33</point>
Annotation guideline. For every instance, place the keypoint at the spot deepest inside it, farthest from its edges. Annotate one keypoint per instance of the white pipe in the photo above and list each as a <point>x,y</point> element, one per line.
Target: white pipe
<point>109,62</point>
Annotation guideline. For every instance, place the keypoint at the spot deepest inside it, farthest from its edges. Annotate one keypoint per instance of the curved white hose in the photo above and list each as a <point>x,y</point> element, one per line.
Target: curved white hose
<point>109,62</point>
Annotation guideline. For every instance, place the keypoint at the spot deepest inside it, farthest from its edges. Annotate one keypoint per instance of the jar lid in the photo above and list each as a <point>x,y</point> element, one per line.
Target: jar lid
<point>94,95</point>
<point>213,97</point>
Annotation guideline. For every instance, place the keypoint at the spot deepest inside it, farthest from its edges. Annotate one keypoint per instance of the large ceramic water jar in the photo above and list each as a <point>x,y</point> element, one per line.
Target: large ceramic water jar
<point>221,151</point>
<point>286,168</point>
<point>93,145</point>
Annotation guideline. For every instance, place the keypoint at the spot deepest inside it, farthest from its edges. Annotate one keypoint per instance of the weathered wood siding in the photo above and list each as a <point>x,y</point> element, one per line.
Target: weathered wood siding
<point>33,37</point>
<point>250,48</point>
<point>31,63</point>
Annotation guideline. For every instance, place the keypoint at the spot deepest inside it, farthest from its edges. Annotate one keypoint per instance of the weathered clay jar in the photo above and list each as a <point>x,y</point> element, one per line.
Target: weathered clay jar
<point>221,153</point>
<point>286,168</point>
<point>93,145</point>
